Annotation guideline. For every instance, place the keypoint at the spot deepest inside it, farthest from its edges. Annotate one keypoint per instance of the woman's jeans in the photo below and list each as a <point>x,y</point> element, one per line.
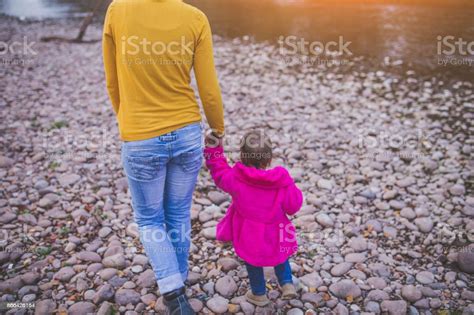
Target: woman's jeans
<point>257,278</point>
<point>162,174</point>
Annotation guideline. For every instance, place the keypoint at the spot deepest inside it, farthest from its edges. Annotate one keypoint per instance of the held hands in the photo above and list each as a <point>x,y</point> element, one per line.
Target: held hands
<point>213,140</point>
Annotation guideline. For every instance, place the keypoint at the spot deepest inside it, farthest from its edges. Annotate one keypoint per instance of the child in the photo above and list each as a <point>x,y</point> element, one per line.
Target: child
<point>256,221</point>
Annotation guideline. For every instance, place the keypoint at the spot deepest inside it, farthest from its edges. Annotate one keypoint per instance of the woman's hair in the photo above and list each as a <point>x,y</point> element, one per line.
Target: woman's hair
<point>256,149</point>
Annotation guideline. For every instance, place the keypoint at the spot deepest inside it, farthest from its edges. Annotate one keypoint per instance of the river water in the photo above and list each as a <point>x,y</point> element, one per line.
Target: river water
<point>408,32</point>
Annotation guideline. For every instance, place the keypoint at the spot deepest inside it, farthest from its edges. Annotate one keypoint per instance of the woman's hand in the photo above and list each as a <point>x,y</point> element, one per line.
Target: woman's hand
<point>213,140</point>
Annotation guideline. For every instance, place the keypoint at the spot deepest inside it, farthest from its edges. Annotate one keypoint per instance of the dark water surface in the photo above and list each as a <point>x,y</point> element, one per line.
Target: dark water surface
<point>406,31</point>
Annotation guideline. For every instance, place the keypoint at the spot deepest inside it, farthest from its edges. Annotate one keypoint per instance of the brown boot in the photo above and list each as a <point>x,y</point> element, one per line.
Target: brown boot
<point>288,291</point>
<point>258,300</point>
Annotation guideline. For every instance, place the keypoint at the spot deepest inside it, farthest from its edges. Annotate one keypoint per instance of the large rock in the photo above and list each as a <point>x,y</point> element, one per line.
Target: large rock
<point>344,288</point>
<point>218,304</point>
<point>411,293</point>
<point>377,295</point>
<point>66,180</point>
<point>425,277</point>
<point>6,162</point>
<point>457,190</point>
<point>325,184</point>
<point>226,286</point>
<point>11,285</point>
<point>125,296</point>
<point>466,259</point>
<point>209,233</point>
<point>48,200</point>
<point>146,279</point>
<point>45,307</point>
<point>398,307</point>
<point>325,220</point>
<point>425,224</point>
<point>217,197</point>
<point>89,256</point>
<point>340,269</point>
<point>105,293</point>
<point>228,263</point>
<point>115,261</point>
<point>106,308</point>
<point>81,308</point>
<point>312,280</point>
<point>359,244</point>
<point>64,274</point>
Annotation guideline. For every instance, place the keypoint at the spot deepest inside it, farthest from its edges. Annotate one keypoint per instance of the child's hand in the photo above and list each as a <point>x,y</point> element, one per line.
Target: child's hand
<point>213,141</point>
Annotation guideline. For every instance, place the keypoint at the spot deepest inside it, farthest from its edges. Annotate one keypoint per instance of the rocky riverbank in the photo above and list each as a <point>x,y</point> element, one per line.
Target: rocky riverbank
<point>384,160</point>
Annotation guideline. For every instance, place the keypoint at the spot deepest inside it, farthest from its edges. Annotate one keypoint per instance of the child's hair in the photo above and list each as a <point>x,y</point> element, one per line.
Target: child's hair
<point>256,149</point>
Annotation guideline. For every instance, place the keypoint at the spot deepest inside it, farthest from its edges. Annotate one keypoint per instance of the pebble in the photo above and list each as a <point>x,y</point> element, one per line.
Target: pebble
<point>209,233</point>
<point>217,197</point>
<point>325,184</point>
<point>359,244</point>
<point>226,286</point>
<point>115,261</point>
<point>355,257</point>
<point>425,277</point>
<point>295,311</point>
<point>70,238</point>
<point>66,180</point>
<point>408,213</point>
<point>64,274</point>
<point>312,280</point>
<point>398,307</point>
<point>45,307</point>
<point>344,288</point>
<point>105,293</point>
<point>228,263</point>
<point>81,308</point>
<point>217,304</point>
<point>104,232</point>
<point>340,269</point>
<point>196,304</point>
<point>377,295</point>
<point>411,293</point>
<point>457,190</point>
<point>325,220</point>
<point>125,296</point>
<point>465,259</point>
<point>424,224</point>
<point>146,279</point>
<point>6,162</point>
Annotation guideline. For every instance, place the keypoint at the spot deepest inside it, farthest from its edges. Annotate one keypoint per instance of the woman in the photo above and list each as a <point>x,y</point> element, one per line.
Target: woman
<point>150,47</point>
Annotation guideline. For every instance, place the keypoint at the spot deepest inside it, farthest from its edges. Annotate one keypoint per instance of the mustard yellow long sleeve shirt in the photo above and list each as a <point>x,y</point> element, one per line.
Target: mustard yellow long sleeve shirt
<point>149,50</point>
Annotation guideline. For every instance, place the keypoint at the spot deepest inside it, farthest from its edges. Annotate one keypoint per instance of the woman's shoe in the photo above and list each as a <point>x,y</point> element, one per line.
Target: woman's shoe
<point>288,291</point>
<point>177,303</point>
<point>259,300</point>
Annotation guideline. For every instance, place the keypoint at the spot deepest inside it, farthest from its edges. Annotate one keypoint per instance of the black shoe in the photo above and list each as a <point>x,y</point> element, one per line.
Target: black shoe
<point>177,303</point>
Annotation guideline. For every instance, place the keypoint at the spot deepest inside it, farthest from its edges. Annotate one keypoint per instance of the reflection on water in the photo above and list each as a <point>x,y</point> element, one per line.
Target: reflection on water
<point>376,29</point>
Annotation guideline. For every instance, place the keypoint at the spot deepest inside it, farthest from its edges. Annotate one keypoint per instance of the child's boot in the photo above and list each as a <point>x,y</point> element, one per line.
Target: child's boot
<point>288,291</point>
<point>258,300</point>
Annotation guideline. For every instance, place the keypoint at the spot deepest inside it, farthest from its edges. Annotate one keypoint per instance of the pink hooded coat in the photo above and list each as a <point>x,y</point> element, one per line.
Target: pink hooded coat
<point>256,221</point>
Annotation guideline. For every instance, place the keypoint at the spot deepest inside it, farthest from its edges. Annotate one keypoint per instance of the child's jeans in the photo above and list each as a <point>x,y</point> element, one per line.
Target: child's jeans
<point>257,278</point>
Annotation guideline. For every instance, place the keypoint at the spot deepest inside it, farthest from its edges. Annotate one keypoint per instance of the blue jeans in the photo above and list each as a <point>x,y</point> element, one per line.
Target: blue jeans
<point>162,174</point>
<point>257,278</point>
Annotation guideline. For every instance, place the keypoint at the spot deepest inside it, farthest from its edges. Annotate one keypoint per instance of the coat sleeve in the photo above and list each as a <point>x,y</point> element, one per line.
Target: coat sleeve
<point>293,200</point>
<point>221,172</point>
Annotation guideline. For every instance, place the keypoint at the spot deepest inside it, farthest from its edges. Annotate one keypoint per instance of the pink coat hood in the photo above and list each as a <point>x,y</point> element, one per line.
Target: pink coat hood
<point>257,220</point>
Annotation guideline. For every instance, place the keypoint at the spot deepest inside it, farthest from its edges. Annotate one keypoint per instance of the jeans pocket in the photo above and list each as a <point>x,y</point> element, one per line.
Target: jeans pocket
<point>145,168</point>
<point>191,161</point>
